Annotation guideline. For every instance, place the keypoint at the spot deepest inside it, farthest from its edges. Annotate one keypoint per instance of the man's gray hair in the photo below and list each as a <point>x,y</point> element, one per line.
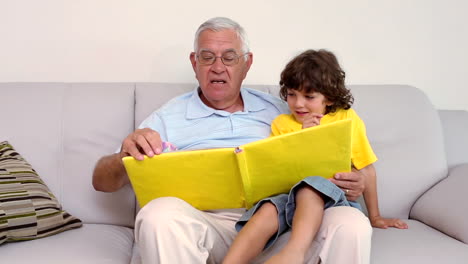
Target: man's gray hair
<point>222,23</point>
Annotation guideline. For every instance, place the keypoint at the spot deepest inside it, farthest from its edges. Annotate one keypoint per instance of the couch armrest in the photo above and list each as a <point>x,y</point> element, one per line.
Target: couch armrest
<point>444,206</point>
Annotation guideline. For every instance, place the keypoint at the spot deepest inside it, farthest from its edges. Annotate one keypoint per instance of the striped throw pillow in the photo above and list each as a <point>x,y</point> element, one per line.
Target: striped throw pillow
<point>28,209</point>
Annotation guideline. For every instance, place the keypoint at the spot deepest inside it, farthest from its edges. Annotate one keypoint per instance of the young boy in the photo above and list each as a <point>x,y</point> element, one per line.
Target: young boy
<point>313,86</point>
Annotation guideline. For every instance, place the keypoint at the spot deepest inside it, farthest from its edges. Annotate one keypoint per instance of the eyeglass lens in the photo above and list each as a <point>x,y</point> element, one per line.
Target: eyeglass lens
<point>228,58</point>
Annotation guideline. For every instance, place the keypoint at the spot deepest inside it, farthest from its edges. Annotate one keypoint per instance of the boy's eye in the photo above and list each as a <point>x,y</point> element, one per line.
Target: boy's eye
<point>309,96</point>
<point>290,94</point>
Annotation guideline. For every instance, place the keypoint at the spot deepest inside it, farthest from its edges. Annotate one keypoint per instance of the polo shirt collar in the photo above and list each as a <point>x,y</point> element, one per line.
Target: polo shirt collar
<point>197,109</point>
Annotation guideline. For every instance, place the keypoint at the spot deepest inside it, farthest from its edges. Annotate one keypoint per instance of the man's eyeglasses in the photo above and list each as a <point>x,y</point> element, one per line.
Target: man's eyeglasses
<point>229,58</point>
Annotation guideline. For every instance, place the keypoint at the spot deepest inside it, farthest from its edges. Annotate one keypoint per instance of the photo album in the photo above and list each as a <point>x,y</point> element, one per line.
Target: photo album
<point>239,177</point>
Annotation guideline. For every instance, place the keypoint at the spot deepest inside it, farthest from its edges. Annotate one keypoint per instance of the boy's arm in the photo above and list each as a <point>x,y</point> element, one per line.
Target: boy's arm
<point>370,191</point>
<point>372,204</point>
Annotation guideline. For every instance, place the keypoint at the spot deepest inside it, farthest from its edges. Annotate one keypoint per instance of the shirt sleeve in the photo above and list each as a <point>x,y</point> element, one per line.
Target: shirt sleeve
<point>281,125</point>
<point>155,122</point>
<point>362,153</point>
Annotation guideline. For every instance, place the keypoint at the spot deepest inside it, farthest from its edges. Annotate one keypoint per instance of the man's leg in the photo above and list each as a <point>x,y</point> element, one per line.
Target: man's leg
<point>343,237</point>
<point>169,230</point>
<point>347,238</point>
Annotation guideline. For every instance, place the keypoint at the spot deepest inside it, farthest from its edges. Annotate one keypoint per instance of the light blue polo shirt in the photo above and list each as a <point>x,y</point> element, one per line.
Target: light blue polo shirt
<point>188,123</point>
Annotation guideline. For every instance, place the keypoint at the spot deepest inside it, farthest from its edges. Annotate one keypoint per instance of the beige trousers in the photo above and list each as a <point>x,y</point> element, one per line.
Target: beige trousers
<point>169,230</point>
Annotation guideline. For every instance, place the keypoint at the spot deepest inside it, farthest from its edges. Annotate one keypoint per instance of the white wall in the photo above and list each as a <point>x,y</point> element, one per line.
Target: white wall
<point>417,42</point>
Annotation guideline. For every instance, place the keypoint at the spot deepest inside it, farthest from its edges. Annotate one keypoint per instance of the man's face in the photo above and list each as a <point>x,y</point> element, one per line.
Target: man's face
<point>219,83</point>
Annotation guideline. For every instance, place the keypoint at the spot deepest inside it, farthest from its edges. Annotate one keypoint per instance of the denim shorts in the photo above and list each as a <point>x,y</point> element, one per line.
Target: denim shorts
<point>285,204</point>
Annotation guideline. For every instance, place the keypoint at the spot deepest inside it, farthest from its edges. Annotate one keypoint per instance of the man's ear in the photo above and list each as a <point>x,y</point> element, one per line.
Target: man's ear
<point>194,63</point>
<point>248,63</point>
<point>193,60</point>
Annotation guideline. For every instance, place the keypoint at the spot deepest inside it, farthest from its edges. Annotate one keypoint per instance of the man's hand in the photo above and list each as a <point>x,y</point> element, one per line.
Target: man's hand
<point>352,183</point>
<point>311,120</point>
<point>142,142</point>
<point>110,175</point>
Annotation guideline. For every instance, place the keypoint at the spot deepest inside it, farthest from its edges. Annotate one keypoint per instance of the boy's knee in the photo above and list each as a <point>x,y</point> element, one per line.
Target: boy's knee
<point>306,193</point>
<point>268,209</point>
<point>266,217</point>
<point>304,189</point>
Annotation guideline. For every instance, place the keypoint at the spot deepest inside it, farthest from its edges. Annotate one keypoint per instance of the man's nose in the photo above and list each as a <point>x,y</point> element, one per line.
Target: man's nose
<point>218,65</point>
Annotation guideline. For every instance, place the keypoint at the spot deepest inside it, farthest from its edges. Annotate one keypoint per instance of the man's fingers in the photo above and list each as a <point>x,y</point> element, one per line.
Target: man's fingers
<point>136,144</point>
<point>134,152</point>
<point>350,193</point>
<point>143,144</point>
<point>346,185</point>
<point>351,196</point>
<point>348,176</point>
<point>154,140</point>
<point>129,147</point>
<point>351,183</point>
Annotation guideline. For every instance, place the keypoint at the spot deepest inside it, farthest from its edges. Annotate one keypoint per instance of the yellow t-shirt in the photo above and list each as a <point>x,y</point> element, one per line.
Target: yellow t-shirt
<point>362,154</point>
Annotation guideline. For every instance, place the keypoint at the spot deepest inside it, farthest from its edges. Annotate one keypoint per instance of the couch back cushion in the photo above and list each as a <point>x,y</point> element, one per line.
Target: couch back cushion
<point>62,130</point>
<point>406,133</point>
<point>150,96</point>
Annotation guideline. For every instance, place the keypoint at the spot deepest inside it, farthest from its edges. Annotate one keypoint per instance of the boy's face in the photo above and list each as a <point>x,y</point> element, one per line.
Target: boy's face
<point>301,103</point>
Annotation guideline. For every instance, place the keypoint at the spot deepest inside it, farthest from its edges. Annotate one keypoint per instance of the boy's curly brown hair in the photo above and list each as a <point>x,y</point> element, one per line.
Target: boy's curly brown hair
<point>317,71</point>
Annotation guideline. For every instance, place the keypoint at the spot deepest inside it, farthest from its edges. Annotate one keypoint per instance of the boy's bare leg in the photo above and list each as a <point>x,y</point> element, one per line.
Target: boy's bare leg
<point>254,235</point>
<point>306,222</point>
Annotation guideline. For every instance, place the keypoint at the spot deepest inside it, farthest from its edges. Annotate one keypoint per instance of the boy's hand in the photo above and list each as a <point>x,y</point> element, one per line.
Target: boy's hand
<point>380,222</point>
<point>311,120</point>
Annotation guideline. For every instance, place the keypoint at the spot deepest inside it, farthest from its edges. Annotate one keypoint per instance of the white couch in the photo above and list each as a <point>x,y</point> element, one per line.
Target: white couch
<point>63,128</point>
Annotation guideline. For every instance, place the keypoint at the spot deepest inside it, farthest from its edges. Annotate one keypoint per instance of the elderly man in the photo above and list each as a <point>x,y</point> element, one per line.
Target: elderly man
<point>219,113</point>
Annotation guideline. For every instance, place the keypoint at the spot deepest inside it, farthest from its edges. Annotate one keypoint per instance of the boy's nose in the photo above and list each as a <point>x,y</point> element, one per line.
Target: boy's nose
<point>299,102</point>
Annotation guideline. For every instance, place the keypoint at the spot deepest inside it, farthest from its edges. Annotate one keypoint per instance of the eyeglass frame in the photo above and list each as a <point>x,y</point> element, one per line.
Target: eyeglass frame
<point>197,55</point>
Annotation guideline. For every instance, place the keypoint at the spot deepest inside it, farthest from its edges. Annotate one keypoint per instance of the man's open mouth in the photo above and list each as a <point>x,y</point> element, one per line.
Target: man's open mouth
<point>218,81</point>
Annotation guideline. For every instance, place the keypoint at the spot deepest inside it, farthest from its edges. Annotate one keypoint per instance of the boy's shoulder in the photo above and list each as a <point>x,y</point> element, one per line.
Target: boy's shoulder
<point>344,113</point>
<point>340,114</point>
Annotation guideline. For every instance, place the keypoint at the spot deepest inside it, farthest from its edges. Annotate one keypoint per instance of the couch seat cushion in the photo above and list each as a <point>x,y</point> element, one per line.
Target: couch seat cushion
<point>417,244</point>
<point>93,243</point>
